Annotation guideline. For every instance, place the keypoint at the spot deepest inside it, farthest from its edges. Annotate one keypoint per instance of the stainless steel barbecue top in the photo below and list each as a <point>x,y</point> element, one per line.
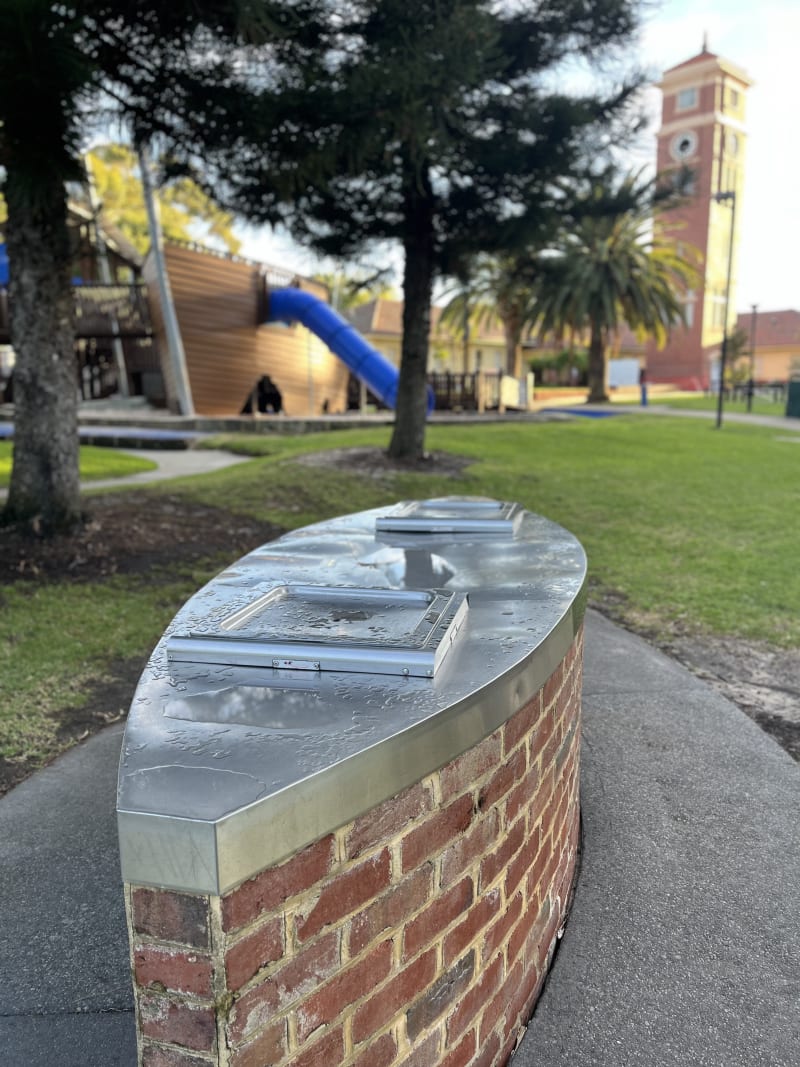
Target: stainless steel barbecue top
<point>327,670</point>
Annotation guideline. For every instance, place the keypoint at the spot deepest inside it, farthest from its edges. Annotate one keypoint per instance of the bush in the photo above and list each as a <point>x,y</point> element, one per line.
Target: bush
<point>568,367</point>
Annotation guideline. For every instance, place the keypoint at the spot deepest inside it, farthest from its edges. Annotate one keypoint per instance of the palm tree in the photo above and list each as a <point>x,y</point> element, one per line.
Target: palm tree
<point>614,266</point>
<point>349,291</point>
<point>498,289</point>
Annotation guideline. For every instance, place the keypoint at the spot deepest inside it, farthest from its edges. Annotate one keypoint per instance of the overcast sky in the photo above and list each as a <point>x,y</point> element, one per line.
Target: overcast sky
<point>762,38</point>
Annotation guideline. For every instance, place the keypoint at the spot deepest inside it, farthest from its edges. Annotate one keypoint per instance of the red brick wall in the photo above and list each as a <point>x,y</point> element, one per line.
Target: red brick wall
<point>419,934</point>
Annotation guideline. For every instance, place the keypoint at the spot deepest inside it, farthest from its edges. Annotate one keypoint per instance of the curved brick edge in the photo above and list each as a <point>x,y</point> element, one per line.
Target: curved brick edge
<point>419,934</point>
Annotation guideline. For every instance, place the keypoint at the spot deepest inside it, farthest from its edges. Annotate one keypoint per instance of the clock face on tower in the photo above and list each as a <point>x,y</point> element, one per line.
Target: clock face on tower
<point>683,145</point>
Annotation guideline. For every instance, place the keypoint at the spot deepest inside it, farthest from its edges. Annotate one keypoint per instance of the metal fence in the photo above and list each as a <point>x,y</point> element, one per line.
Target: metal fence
<point>101,311</point>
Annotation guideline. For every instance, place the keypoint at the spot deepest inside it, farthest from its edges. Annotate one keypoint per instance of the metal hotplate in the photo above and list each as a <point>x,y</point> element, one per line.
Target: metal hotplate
<point>452,515</point>
<point>318,628</point>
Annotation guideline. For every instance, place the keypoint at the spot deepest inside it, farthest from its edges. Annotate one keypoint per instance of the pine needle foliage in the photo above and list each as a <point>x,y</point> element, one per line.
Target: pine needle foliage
<point>435,125</point>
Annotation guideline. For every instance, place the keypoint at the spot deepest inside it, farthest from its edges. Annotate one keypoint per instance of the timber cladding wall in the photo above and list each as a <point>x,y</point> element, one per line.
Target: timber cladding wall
<point>419,934</point>
<point>217,303</point>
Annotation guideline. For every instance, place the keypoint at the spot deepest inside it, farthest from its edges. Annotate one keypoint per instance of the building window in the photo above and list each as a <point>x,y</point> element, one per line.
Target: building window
<point>688,309</point>
<point>728,180</point>
<point>682,182</point>
<point>687,98</point>
<point>733,97</point>
<point>717,310</point>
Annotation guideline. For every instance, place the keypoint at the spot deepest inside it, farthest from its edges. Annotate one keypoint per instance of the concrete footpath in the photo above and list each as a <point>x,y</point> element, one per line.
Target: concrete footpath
<point>170,463</point>
<point>683,947</point>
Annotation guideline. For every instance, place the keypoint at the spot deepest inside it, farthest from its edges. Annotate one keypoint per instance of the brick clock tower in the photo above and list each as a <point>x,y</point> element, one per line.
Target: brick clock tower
<point>702,128</point>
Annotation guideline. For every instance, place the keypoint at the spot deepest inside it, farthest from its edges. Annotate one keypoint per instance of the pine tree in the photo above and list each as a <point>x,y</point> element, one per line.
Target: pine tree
<point>433,125</point>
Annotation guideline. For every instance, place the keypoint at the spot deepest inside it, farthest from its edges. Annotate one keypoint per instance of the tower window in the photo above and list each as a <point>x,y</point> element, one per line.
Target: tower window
<point>687,98</point>
<point>688,309</point>
<point>682,181</point>
<point>733,97</point>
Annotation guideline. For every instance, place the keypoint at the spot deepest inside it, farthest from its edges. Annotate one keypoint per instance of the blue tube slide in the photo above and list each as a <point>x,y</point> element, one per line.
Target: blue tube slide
<point>369,365</point>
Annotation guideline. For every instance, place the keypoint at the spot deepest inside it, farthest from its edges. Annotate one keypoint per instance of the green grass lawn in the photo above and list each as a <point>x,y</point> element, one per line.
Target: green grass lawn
<point>685,524</point>
<point>95,463</point>
<point>685,527</point>
<point>762,405</point>
<point>59,639</point>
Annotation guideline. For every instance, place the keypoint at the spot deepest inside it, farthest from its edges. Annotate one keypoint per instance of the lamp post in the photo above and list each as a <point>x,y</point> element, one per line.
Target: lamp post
<point>177,354</point>
<point>751,385</point>
<point>720,198</point>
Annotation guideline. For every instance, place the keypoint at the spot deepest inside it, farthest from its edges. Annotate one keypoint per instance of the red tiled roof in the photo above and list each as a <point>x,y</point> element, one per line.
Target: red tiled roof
<point>378,316</point>
<point>386,316</point>
<point>361,316</point>
<point>705,57</point>
<point>772,327</point>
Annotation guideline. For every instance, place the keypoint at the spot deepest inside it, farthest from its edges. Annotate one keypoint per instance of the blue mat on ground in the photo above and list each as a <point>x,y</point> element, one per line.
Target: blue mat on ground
<point>584,413</point>
<point>120,436</point>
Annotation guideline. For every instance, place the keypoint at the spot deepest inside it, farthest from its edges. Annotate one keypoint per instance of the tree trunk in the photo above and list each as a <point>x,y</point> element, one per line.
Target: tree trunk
<point>465,334</point>
<point>408,437</point>
<point>44,482</point>
<point>512,329</point>
<point>598,393</point>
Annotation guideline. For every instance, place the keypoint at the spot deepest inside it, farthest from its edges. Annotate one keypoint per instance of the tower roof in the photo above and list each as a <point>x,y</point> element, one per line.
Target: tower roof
<point>701,57</point>
<point>710,59</point>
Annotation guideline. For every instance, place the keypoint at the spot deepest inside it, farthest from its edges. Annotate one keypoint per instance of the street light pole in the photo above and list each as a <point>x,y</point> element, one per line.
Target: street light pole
<point>175,349</point>
<point>729,195</point>
<point>751,385</point>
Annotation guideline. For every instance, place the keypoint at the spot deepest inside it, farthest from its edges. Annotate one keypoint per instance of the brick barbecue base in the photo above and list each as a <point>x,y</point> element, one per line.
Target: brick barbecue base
<point>419,934</point>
